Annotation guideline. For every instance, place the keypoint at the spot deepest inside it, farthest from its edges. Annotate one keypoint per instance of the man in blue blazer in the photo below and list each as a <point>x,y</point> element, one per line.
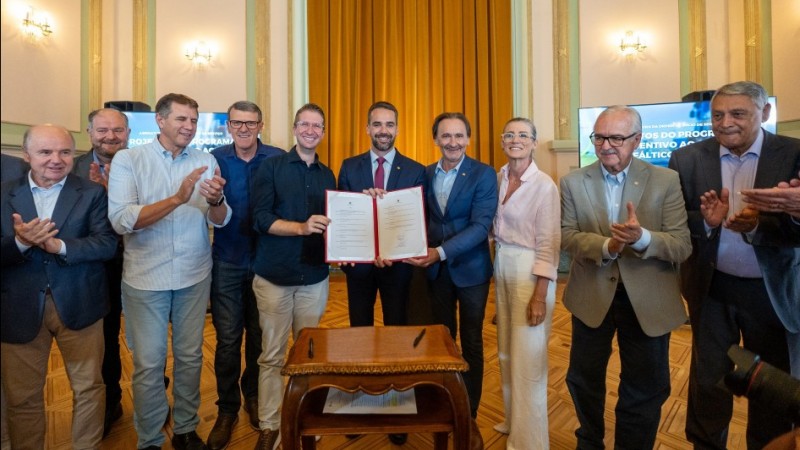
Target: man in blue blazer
<point>380,168</point>
<point>741,280</point>
<point>461,200</point>
<point>55,237</point>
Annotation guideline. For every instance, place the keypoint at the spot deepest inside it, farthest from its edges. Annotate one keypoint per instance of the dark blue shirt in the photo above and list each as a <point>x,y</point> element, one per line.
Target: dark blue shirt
<point>235,242</point>
<point>286,188</point>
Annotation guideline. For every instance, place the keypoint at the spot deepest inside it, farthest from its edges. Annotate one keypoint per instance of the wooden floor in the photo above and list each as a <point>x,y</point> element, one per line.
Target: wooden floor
<point>561,412</point>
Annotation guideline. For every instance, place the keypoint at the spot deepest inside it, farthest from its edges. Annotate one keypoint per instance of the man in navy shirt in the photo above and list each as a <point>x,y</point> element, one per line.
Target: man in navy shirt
<point>291,276</point>
<point>233,304</point>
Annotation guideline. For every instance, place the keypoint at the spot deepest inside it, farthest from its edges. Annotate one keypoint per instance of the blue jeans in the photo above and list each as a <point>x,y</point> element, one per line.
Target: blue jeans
<point>234,311</point>
<point>147,317</point>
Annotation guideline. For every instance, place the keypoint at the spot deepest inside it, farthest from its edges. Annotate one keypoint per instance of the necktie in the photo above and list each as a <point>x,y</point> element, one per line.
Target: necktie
<point>379,173</point>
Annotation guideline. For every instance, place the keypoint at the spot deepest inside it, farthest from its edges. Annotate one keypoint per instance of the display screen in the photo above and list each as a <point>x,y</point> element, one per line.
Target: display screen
<point>212,132</point>
<point>665,127</point>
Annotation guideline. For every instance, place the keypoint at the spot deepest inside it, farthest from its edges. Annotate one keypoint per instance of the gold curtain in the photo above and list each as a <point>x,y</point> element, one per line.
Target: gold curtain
<point>423,56</point>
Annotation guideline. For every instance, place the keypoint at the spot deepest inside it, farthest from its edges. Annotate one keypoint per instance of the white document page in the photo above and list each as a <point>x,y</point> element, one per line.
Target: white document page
<point>401,224</point>
<point>392,402</point>
<point>351,233</point>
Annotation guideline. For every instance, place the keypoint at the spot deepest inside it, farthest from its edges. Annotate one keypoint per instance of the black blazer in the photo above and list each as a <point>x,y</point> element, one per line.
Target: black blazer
<point>776,239</point>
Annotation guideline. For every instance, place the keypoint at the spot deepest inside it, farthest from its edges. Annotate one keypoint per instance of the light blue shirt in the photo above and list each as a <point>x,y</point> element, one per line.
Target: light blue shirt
<point>387,165</point>
<point>442,186</point>
<point>175,252</point>
<point>735,256</point>
<point>613,186</point>
<point>45,201</point>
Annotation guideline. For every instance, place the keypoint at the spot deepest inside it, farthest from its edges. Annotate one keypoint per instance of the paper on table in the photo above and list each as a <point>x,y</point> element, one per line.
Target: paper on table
<point>391,402</point>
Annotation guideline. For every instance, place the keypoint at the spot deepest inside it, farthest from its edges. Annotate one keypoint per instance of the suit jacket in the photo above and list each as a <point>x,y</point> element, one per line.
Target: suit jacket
<point>82,164</point>
<point>775,240</point>
<point>12,168</point>
<point>650,276</point>
<point>463,229</point>
<point>77,281</point>
<point>356,175</point>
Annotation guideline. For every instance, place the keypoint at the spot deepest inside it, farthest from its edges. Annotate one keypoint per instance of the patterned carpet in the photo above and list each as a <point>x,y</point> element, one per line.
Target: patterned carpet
<point>563,422</point>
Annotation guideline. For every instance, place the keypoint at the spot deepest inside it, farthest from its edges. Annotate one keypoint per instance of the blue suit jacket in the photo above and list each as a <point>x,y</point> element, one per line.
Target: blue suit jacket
<point>463,229</point>
<point>12,168</point>
<point>355,175</point>
<point>77,281</point>
<point>776,243</point>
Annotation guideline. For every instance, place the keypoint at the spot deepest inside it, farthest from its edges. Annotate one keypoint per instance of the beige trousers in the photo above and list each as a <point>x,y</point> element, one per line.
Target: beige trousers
<point>24,372</point>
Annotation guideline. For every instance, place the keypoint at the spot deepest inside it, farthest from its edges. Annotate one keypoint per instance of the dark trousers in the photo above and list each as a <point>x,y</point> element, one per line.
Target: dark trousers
<point>112,366</point>
<point>234,313</point>
<point>643,382</point>
<point>734,307</point>
<point>470,302</point>
<point>363,284</point>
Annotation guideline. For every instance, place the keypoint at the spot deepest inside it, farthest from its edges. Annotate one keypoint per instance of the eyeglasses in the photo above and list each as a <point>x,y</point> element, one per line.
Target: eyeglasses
<point>614,141</point>
<point>303,125</point>
<point>250,124</point>
<point>524,137</point>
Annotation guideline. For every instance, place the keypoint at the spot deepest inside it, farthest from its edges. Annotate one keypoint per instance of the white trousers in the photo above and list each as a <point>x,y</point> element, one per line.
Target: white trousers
<point>281,309</point>
<point>522,349</point>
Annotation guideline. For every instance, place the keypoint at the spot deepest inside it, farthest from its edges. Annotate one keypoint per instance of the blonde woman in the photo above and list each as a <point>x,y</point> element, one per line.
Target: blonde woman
<point>527,236</point>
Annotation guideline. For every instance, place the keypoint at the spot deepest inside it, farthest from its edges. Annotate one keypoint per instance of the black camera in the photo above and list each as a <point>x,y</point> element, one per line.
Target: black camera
<point>763,384</point>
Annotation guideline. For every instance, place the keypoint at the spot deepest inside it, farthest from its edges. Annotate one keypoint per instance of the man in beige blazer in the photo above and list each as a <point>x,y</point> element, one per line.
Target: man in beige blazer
<point>623,222</point>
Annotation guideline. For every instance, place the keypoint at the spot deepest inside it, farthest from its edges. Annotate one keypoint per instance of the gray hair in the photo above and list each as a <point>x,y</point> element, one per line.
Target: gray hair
<point>755,91</point>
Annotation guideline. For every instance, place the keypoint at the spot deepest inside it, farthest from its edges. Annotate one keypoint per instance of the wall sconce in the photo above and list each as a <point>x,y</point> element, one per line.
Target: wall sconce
<point>199,53</point>
<point>35,24</point>
<point>631,45</point>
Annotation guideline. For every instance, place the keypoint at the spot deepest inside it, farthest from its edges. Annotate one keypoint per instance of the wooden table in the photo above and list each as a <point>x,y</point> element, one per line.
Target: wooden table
<point>375,360</point>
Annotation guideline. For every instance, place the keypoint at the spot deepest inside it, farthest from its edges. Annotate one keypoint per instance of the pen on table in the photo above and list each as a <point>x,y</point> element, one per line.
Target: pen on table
<point>311,348</point>
<point>419,337</point>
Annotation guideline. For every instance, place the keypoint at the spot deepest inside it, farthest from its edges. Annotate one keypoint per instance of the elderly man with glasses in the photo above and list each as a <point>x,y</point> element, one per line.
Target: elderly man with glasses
<point>624,224</point>
<point>233,303</point>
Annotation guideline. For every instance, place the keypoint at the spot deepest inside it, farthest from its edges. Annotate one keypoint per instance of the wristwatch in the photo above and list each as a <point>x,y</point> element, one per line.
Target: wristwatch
<point>218,202</point>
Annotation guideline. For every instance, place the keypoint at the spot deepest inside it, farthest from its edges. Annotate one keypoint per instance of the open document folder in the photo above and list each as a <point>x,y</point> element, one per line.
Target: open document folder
<point>362,228</point>
<point>391,402</point>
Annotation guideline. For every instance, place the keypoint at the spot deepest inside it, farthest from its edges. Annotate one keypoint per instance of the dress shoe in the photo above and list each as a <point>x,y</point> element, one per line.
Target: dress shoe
<point>475,438</point>
<point>188,441</point>
<point>152,447</point>
<point>113,413</point>
<point>398,438</point>
<point>268,440</point>
<point>501,428</point>
<point>221,433</point>
<point>251,406</point>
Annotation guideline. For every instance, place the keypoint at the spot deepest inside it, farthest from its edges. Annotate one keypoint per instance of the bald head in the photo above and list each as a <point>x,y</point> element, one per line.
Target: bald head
<point>49,149</point>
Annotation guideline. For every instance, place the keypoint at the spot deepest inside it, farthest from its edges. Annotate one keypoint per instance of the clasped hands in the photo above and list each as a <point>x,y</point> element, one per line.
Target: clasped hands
<point>626,233</point>
<point>714,209</point>
<point>210,188</point>
<point>37,233</point>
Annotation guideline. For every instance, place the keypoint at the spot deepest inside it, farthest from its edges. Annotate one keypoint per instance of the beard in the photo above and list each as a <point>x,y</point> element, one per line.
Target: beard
<point>377,145</point>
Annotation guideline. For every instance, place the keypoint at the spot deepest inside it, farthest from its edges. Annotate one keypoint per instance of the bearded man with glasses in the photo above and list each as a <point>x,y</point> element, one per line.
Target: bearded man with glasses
<point>233,304</point>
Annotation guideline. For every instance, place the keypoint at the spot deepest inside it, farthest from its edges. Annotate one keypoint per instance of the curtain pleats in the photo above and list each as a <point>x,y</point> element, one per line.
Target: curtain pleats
<point>425,57</point>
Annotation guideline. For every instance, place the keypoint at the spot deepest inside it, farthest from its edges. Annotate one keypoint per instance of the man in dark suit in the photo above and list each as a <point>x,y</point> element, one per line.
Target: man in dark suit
<point>11,167</point>
<point>108,131</point>
<point>382,168</point>
<point>55,237</point>
<point>741,270</point>
<point>623,223</point>
<point>461,200</point>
